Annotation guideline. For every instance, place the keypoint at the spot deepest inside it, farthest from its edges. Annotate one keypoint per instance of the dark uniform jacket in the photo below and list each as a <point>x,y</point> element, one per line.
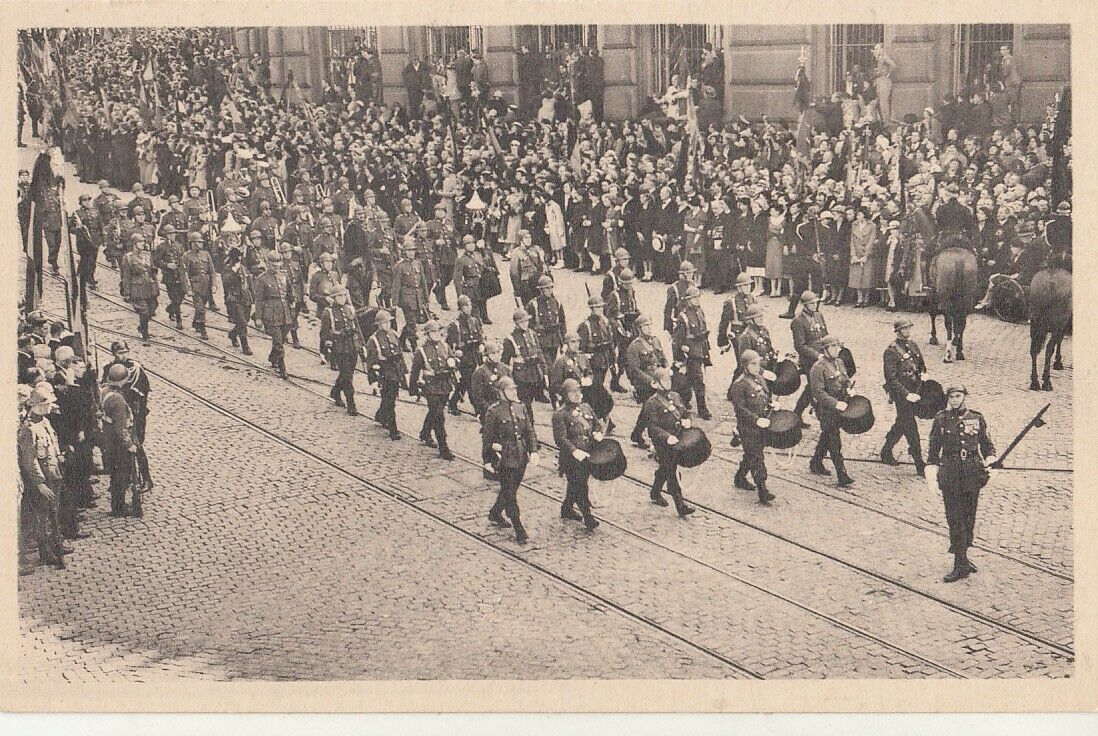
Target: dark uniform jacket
<point>643,356</point>
<point>829,384</point>
<point>573,427</point>
<point>662,416</point>
<point>510,426</point>
<point>690,341</point>
<point>959,438</point>
<point>522,351</point>
<point>547,320</point>
<point>465,335</point>
<point>274,299</point>
<point>434,365</point>
<point>676,293</point>
<point>197,273</point>
<point>338,325</point>
<point>807,331</point>
<point>238,286</point>
<point>482,386</point>
<point>168,259</point>
<point>597,341</point>
<point>903,364</point>
<point>467,271</point>
<point>756,337</point>
<point>385,361</point>
<point>750,397</point>
<point>409,285</point>
<point>731,323</point>
<point>570,365</point>
<point>138,277</point>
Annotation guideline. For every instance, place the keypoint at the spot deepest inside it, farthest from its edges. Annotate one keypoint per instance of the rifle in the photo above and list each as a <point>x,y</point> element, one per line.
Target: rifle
<point>1037,421</point>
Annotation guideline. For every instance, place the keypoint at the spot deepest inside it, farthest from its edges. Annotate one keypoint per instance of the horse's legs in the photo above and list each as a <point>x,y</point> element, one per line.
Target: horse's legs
<point>933,326</point>
<point>1059,363</point>
<point>1036,338</point>
<point>959,322</point>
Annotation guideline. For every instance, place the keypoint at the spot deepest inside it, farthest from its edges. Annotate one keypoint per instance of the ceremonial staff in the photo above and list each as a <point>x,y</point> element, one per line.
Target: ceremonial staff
<point>1037,421</point>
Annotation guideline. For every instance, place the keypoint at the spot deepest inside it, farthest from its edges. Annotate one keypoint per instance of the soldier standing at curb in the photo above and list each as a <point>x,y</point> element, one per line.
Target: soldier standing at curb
<point>120,443</point>
<point>40,468</point>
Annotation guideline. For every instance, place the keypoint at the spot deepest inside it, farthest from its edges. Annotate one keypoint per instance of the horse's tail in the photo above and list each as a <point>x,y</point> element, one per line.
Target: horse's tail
<point>1050,298</point>
<point>956,283</point>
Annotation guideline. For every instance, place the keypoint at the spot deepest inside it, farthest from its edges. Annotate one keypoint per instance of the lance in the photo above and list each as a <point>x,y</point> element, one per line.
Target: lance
<point>1037,421</point>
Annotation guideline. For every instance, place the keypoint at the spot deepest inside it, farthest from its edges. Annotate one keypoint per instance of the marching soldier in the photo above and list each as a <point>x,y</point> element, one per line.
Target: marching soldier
<point>622,311</point>
<point>238,299</point>
<point>959,455</point>
<point>343,343</point>
<point>510,440</point>
<point>573,365</point>
<point>735,306</point>
<point>379,245</point>
<point>360,279</point>
<point>197,272</point>
<point>434,365</point>
<point>547,318</point>
<point>408,291</point>
<point>387,369</point>
<point>266,225</point>
<point>830,388</point>
<point>465,335</point>
<point>751,400</point>
<point>527,266</point>
<point>576,429</point>
<point>440,237</point>
<point>596,341</point>
<point>676,294</point>
<point>468,268</point>
<point>808,329</point>
<point>322,285</point>
<point>610,280</point>
<point>274,300</point>
<point>643,359</point>
<point>138,282</point>
<point>175,216</point>
<point>325,245</point>
<point>120,442</point>
<point>522,351</point>
<point>168,259</point>
<point>754,336</point>
<point>690,347</point>
<point>290,265</point>
<point>904,370</point>
<point>40,471</point>
<point>664,417</point>
<point>483,392</point>
<point>87,226</point>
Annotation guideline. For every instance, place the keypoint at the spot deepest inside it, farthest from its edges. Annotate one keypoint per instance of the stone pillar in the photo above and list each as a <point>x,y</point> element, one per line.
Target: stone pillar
<point>621,55</point>
<point>917,80</point>
<point>394,50</point>
<point>1042,54</point>
<point>501,47</point>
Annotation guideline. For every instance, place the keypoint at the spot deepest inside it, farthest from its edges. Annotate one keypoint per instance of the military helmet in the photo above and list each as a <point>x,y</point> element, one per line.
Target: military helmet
<point>117,373</point>
<point>464,300</point>
<point>545,282</point>
<point>749,356</point>
<point>621,254</point>
<point>686,267</point>
<point>569,385</point>
<point>809,297</point>
<point>626,276</point>
<point>693,292</point>
<point>520,315</point>
<point>595,301</point>
<point>901,323</point>
<point>506,383</point>
<point>743,279</point>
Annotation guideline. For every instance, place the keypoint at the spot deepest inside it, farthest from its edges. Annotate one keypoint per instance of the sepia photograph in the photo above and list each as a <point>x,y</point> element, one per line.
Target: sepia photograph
<point>611,351</point>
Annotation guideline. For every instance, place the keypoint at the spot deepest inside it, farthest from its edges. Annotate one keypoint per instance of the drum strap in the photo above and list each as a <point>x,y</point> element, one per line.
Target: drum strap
<point>791,457</point>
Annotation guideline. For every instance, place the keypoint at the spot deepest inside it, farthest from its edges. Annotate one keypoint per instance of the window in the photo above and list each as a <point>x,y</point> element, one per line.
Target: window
<point>678,50</point>
<point>342,38</point>
<point>541,38</point>
<point>443,42</point>
<point>852,53</point>
<point>976,54</point>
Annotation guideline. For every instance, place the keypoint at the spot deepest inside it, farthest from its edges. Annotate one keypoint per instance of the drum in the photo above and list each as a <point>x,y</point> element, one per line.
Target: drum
<point>932,399</point>
<point>659,242</point>
<point>784,430</point>
<point>607,460</point>
<point>693,448</point>
<point>1008,300</point>
<point>858,417</point>
<point>788,378</point>
<point>599,399</point>
<point>847,358</point>
<point>489,284</point>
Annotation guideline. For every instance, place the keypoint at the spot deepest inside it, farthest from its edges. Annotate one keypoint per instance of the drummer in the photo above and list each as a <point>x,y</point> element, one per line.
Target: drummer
<point>904,371</point>
<point>755,337</point>
<point>509,436</point>
<point>830,387</point>
<point>665,417</point>
<point>752,402</point>
<point>735,307</point>
<point>576,429</point>
<point>644,356</point>
<point>574,364</point>
<point>808,329</point>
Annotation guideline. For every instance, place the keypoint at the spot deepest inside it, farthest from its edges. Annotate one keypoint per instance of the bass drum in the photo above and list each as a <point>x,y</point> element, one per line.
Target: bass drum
<point>788,378</point>
<point>784,431</point>
<point>1008,300</point>
<point>932,399</point>
<point>858,416</point>
<point>599,399</point>
<point>607,461</point>
<point>693,448</point>
<point>847,358</point>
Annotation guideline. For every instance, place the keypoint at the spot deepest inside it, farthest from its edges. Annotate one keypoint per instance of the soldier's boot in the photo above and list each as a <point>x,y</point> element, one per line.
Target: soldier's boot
<point>440,294</point>
<point>638,438</point>
<point>816,466</point>
<point>232,337</point>
<point>615,383</point>
<point>425,436</point>
<point>336,394</point>
<point>741,481</point>
<point>589,521</point>
<point>843,478</point>
<point>568,511</point>
<point>495,515</point>
<point>886,451</point>
<point>135,507</point>
<point>961,569</point>
<point>352,410</point>
<point>178,318</point>
<point>394,433</point>
<point>48,556</point>
<point>282,368</point>
<point>681,506</point>
<point>452,407</point>
<point>703,410</point>
<point>293,336</point>
<point>735,441</point>
<point>144,328</point>
<point>244,346</point>
<point>765,496</point>
<point>656,493</point>
<point>520,532</point>
<point>444,450</point>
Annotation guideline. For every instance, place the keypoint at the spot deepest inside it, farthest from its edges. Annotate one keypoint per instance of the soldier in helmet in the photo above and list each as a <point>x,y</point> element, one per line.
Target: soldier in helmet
<point>808,327</point>
<point>274,302</point>
<point>408,291</point>
<point>755,336</point>
<point>434,367</point>
<point>468,269</point>
<point>732,312</point>
<point>237,282</point>
<point>622,310</point>
<point>690,348</point>
<point>676,293</point>
<point>138,283</point>
<point>386,367</point>
<point>571,364</point>
<point>664,417</point>
<point>168,259</point>
<point>522,352</point>
<point>440,238</point>
<point>576,430</point>
<point>960,454</point>
<point>379,241</point>
<point>752,402</point>
<point>904,371</point>
<point>483,392</point>
<point>40,471</point>
<point>596,341</point>
<point>527,266</point>
<point>508,435</point>
<point>830,387</point>
<point>465,335</point>
<point>119,442</point>
<point>547,318</point>
<point>644,356</point>
<point>610,280</point>
<point>197,273</point>
<point>343,342</point>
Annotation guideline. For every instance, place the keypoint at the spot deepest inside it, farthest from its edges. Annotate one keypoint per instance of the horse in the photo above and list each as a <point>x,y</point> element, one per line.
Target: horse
<point>954,283</point>
<point>1049,320</point>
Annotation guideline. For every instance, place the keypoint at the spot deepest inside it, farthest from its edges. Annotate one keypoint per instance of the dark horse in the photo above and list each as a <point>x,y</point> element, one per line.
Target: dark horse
<point>954,284</point>
<point>1049,302</point>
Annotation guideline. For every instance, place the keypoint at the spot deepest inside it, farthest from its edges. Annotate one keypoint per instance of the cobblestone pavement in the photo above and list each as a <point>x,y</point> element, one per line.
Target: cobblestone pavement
<point>247,569</point>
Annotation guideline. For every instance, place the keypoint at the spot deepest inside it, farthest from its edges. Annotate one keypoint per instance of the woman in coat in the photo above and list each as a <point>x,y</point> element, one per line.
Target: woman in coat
<point>775,249</point>
<point>554,225</point>
<point>863,236</point>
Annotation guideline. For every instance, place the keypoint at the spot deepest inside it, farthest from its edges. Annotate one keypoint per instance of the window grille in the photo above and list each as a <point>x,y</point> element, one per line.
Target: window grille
<point>678,50</point>
<point>852,53</point>
<point>976,56</point>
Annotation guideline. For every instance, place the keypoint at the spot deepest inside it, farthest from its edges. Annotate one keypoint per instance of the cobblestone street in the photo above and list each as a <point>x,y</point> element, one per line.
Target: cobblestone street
<point>287,540</point>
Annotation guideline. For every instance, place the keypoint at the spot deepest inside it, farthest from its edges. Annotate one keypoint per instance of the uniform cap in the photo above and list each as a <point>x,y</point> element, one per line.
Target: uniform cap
<point>440,207</point>
<point>626,276</point>
<point>753,312</point>
<point>595,301</point>
<point>545,282</point>
<point>901,323</point>
<point>955,388</point>
<point>432,326</point>
<point>743,279</point>
<point>809,297</point>
<point>119,345</point>
<point>749,356</point>
<point>117,374</point>
<point>36,318</point>
<point>520,315</point>
<point>570,384</point>
<point>828,340</point>
<point>686,267</point>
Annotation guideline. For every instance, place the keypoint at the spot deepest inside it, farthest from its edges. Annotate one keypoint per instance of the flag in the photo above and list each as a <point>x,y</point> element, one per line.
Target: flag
<point>454,143</point>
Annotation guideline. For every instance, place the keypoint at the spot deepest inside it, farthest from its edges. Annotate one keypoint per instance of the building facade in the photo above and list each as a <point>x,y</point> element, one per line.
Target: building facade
<point>760,61</point>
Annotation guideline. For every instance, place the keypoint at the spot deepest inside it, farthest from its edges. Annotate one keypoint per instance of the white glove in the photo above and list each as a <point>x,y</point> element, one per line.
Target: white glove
<point>762,422</point>
<point>672,440</point>
<point>597,436</point>
<point>585,381</point>
<point>580,455</point>
<point>535,458</point>
<point>912,397</point>
<point>770,375</point>
<point>922,376</point>
<point>686,423</point>
<point>840,405</point>
<point>497,447</point>
<point>989,461</point>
